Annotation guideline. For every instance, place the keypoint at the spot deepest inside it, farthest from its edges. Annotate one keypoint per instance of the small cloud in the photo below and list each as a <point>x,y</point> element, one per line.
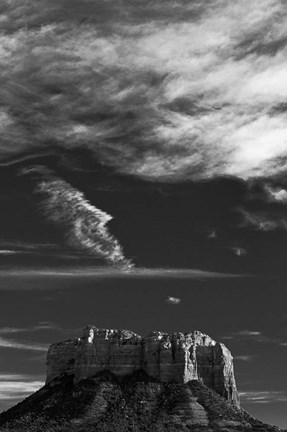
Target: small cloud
<point>241,252</point>
<point>8,252</point>
<point>276,194</point>
<point>248,333</point>
<point>212,235</point>
<point>246,358</point>
<point>45,325</point>
<point>173,300</point>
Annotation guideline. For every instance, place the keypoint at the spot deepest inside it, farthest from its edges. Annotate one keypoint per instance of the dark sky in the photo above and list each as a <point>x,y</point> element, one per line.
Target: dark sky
<point>143,155</point>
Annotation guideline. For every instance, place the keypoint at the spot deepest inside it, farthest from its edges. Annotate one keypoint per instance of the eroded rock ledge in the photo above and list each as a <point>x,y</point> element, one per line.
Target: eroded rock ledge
<point>176,357</point>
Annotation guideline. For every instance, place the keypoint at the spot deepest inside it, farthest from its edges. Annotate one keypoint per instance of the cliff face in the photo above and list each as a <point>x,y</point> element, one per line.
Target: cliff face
<point>176,357</point>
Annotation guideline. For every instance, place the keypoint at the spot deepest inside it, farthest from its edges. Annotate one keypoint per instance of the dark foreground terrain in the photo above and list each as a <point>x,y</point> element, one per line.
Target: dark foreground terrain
<point>133,404</point>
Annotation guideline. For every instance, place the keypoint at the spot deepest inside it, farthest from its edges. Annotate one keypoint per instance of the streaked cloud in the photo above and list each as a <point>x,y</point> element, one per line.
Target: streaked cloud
<point>17,386</point>
<point>15,246</point>
<point>245,335</point>
<point>20,345</point>
<point>253,336</point>
<point>103,272</point>
<point>187,90</point>
<point>8,252</point>
<point>248,333</point>
<point>18,377</point>
<point>263,397</point>
<point>45,325</point>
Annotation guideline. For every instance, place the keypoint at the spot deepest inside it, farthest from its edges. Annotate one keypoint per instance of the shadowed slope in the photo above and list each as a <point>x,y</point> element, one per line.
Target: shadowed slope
<point>134,403</point>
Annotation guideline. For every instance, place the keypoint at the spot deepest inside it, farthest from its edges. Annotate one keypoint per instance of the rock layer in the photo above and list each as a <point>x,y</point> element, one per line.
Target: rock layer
<point>176,357</point>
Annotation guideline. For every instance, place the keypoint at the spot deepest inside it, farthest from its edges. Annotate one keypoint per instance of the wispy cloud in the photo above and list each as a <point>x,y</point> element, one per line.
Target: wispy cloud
<point>45,325</point>
<point>20,345</point>
<point>264,220</point>
<point>263,397</point>
<point>270,212</point>
<point>84,225</point>
<point>180,90</point>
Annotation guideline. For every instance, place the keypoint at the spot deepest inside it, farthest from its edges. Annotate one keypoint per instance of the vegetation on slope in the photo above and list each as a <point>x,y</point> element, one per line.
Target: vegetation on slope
<point>133,404</point>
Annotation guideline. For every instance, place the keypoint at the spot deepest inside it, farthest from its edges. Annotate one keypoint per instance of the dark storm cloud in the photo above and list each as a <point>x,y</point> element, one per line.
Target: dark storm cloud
<point>163,91</point>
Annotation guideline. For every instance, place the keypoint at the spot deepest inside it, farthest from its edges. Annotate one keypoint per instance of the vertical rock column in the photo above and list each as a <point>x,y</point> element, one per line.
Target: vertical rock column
<point>166,357</point>
<point>61,359</point>
<point>117,351</point>
<point>215,369</point>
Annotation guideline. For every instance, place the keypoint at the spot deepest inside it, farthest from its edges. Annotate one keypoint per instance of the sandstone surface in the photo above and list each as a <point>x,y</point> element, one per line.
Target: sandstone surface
<point>168,358</point>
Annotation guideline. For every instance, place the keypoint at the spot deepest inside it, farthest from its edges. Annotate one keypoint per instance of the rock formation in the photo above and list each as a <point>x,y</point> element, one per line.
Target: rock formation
<point>167,358</point>
<point>116,380</point>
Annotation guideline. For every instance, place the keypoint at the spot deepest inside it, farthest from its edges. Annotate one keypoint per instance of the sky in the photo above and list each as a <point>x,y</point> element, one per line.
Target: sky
<point>143,161</point>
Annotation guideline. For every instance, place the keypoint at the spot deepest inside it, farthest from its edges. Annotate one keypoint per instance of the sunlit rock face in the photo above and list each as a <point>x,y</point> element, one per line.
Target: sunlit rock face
<point>176,357</point>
